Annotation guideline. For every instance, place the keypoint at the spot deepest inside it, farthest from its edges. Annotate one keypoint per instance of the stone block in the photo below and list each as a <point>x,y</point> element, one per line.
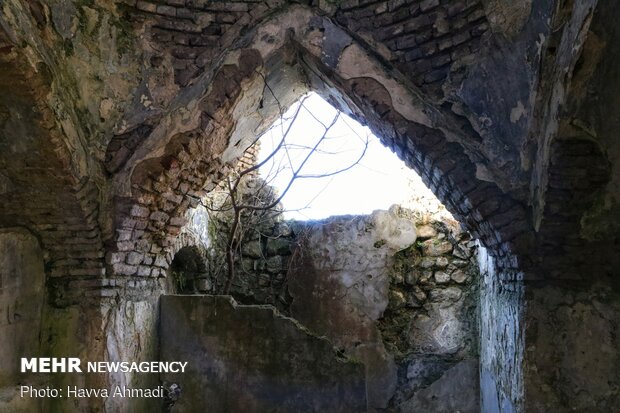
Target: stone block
<point>278,246</point>
<point>411,278</point>
<point>435,248</point>
<point>426,231</point>
<point>161,261</point>
<point>428,4</point>
<point>441,262</point>
<point>274,264</point>
<point>139,211</point>
<point>395,4</point>
<point>123,269</point>
<point>442,277</point>
<point>146,6</point>
<point>426,262</point>
<point>455,8</point>
<point>114,258</point>
<point>406,42</point>
<point>264,280</point>
<point>166,10</point>
<point>177,221</point>
<point>459,276</point>
<point>397,299</point>
<point>159,216</point>
<point>461,251</point>
<point>252,249</point>
<point>134,258</point>
<point>144,271</point>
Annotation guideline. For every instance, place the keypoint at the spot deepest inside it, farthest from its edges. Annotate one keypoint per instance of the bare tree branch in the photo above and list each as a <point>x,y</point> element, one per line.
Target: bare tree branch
<point>251,209</point>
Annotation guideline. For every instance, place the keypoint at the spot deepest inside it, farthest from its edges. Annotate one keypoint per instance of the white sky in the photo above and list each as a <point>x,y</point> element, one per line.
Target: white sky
<point>378,181</point>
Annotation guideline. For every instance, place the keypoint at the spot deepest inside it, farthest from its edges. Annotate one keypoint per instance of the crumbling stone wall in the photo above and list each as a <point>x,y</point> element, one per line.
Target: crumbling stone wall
<point>404,306</point>
<point>431,322</point>
<point>265,263</point>
<point>397,290</point>
<point>266,243</point>
<point>117,116</point>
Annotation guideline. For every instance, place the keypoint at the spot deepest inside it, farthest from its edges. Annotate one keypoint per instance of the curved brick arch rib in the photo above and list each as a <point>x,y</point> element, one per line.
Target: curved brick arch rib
<point>164,187</point>
<point>169,174</point>
<point>436,41</point>
<point>493,216</point>
<point>425,38</point>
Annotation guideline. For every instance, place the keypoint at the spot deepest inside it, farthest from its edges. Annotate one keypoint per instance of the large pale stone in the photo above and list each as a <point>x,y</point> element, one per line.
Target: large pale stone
<point>442,277</point>
<point>426,232</point>
<point>435,248</point>
<point>398,233</point>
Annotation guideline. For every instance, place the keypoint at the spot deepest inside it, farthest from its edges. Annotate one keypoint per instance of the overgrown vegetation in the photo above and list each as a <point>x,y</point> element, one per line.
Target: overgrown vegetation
<point>243,202</point>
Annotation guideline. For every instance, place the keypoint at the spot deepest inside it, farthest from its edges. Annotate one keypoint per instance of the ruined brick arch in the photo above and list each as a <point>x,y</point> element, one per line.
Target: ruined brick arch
<point>188,270</point>
<point>174,166</point>
<point>46,179</point>
<point>116,116</point>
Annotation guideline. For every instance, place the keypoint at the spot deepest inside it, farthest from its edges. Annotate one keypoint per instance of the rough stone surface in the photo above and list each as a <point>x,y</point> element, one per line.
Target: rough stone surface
<point>251,358</point>
<point>115,118</point>
<point>262,258</point>
<point>396,232</point>
<point>381,303</point>
<point>340,289</point>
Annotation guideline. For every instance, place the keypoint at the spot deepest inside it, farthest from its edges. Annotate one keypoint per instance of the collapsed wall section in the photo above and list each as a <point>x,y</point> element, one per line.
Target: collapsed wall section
<point>397,290</point>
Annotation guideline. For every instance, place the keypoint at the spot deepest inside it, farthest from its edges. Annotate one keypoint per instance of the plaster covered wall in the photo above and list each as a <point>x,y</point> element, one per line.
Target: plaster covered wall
<point>252,359</point>
<point>565,325</point>
<point>547,344</point>
<point>22,300</point>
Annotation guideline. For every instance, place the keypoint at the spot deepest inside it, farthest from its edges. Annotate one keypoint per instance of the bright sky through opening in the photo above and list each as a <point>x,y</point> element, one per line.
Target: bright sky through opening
<point>379,180</point>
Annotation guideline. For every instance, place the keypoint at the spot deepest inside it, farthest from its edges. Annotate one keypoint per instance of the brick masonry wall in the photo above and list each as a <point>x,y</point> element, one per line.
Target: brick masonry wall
<point>425,37</point>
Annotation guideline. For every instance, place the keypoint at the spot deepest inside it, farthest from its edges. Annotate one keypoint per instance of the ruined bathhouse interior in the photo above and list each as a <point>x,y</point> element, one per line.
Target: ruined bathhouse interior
<point>119,118</point>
